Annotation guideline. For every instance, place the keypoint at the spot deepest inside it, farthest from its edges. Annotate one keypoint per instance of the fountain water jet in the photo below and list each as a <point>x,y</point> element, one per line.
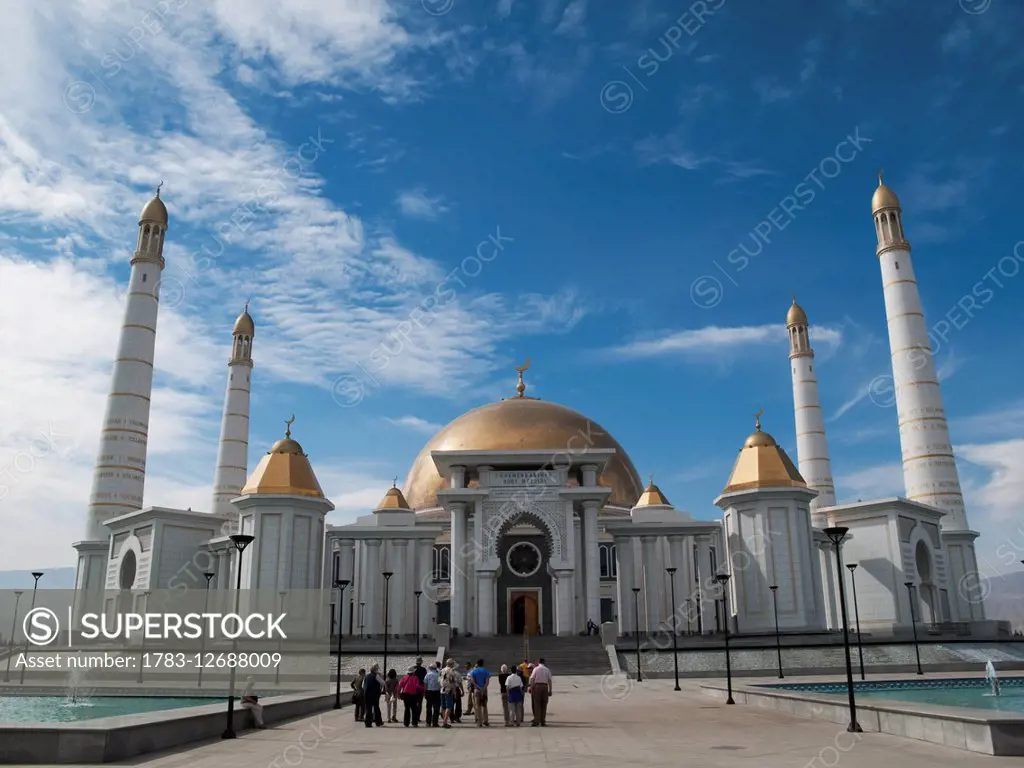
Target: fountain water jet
<point>992,677</point>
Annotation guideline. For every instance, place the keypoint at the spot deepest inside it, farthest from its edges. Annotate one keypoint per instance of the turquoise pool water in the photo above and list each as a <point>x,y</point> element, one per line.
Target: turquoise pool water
<point>58,709</point>
<point>949,692</point>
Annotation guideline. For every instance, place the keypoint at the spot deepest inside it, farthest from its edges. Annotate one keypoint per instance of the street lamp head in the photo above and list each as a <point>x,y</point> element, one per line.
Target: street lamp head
<point>418,592</point>
<point>636,590</point>
<point>18,593</point>
<point>241,540</point>
<point>37,575</point>
<point>208,575</point>
<point>852,566</point>
<point>836,534</point>
<point>722,578</point>
<point>773,587</point>
<point>341,584</point>
<point>671,570</point>
<point>908,584</point>
<point>387,575</point>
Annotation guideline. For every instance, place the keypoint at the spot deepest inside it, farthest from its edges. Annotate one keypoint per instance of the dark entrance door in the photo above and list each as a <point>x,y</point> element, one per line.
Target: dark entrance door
<point>525,618</point>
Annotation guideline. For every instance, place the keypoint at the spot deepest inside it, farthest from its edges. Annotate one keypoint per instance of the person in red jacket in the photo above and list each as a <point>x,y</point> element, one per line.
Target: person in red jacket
<point>410,689</point>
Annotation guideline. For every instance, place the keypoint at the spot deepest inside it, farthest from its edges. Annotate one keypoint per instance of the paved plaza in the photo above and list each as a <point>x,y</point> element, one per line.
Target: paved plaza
<point>590,724</point>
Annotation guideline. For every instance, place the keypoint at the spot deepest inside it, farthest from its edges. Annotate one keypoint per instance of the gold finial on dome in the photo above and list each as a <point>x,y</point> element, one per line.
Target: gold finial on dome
<point>155,210</point>
<point>284,470</point>
<point>884,197</point>
<point>394,499</point>
<point>521,386</point>
<point>244,324</point>
<point>652,496</point>
<point>763,464</point>
<point>795,315</point>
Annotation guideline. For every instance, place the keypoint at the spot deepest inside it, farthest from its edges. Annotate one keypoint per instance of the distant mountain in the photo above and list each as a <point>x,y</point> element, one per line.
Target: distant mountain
<point>53,578</point>
<point>1006,599</point>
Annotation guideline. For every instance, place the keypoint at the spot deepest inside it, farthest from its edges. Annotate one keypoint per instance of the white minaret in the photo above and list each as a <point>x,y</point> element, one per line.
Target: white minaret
<point>233,453</point>
<point>929,469</point>
<point>811,445</point>
<point>120,471</point>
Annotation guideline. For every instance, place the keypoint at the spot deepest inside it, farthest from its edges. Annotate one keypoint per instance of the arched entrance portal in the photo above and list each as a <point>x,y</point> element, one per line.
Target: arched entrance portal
<point>524,583</point>
<point>926,587</point>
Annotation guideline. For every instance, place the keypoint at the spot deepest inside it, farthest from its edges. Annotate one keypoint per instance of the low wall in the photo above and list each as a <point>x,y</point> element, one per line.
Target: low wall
<point>117,738</point>
<point>973,730</point>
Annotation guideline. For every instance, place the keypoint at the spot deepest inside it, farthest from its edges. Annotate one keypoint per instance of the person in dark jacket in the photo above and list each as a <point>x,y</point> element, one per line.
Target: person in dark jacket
<point>358,702</point>
<point>421,675</point>
<point>373,687</point>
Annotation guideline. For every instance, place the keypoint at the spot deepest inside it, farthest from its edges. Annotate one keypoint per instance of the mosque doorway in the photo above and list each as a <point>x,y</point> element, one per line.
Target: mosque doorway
<point>524,612</point>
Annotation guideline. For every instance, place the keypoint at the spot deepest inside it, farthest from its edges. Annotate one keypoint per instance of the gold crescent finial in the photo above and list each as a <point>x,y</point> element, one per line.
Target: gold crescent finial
<point>288,426</point>
<point>794,297</point>
<point>247,304</point>
<point>757,419</point>
<point>650,479</point>
<point>394,483</point>
<point>521,386</point>
<point>158,187</point>
<point>880,177</point>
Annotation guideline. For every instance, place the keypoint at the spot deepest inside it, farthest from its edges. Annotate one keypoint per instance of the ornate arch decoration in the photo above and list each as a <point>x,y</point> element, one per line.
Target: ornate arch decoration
<point>499,517</point>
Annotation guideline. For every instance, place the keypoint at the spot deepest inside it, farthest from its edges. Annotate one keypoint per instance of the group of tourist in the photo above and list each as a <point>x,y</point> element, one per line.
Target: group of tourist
<point>449,694</point>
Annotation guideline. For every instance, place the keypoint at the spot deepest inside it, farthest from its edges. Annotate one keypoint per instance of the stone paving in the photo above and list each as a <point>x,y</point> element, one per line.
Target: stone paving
<point>647,724</point>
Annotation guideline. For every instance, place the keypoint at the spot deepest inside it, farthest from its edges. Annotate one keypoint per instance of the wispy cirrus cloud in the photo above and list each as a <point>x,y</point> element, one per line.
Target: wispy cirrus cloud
<point>414,423</point>
<point>716,340</point>
<point>418,204</point>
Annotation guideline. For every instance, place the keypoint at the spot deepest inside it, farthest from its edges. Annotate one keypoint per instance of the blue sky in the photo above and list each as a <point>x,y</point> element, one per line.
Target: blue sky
<point>621,152</point>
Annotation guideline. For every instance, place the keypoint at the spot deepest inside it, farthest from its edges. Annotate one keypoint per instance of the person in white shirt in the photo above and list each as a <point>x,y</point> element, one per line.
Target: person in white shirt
<point>540,692</point>
<point>515,693</point>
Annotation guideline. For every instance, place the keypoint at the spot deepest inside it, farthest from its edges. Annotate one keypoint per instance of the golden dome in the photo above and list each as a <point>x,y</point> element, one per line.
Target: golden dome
<point>763,464</point>
<point>796,315</point>
<point>244,325</point>
<point>154,210</point>
<point>284,471</point>
<point>522,423</point>
<point>653,497</point>
<point>393,499</point>
<point>883,197</point>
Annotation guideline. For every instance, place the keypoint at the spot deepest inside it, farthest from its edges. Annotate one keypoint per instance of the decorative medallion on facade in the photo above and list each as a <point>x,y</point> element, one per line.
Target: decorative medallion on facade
<point>502,514</point>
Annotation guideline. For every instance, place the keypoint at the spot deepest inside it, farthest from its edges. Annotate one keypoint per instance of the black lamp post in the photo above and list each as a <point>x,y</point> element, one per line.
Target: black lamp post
<point>419,594</point>
<point>636,623</point>
<point>675,630</point>
<point>241,541</point>
<point>340,584</point>
<point>723,579</point>
<point>361,625</point>
<point>851,567</point>
<point>10,640</point>
<point>387,589</point>
<point>778,641</point>
<point>913,623</point>
<point>37,575</point>
<point>836,536</point>
<point>208,575</point>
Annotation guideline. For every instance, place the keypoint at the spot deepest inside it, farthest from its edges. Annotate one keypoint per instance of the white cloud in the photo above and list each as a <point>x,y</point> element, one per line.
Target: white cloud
<point>414,423</point>
<point>716,340</point>
<point>417,204</point>
<point>573,19</point>
<point>327,289</point>
<point>770,90</point>
<point>880,481</point>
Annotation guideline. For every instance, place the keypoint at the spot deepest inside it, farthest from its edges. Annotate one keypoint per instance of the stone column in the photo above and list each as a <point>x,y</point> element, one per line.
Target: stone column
<point>373,595</point>
<point>485,599</point>
<point>654,580</point>
<point>592,558</point>
<point>625,583</point>
<point>458,567</point>
<point>424,583</point>
<point>285,554</point>
<point>400,596</point>
<point>707,590</point>
<point>564,603</point>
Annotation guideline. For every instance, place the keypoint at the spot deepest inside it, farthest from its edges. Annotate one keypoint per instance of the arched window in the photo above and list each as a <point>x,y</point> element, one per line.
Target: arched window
<point>442,564</point>
<point>606,554</point>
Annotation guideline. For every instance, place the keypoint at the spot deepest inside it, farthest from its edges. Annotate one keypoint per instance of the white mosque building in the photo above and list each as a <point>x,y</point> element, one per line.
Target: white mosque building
<point>523,516</point>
